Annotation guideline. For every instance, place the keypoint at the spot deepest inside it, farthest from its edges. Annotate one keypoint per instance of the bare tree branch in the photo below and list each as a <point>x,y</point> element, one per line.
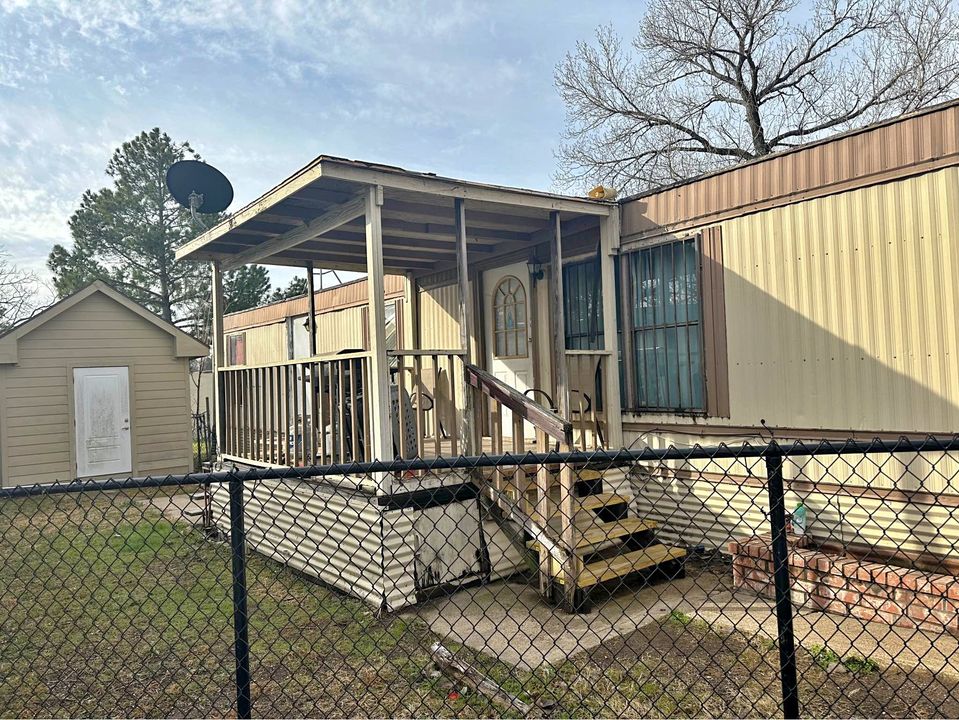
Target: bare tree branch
<point>706,83</point>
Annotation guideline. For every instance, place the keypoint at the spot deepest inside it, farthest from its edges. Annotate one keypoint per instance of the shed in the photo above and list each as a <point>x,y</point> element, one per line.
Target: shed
<point>94,386</point>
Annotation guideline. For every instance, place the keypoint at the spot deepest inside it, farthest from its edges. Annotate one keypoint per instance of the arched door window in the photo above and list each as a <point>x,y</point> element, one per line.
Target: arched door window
<point>509,318</point>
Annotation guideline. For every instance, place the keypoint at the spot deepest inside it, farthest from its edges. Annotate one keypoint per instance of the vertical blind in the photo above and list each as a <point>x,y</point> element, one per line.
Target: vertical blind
<point>666,327</point>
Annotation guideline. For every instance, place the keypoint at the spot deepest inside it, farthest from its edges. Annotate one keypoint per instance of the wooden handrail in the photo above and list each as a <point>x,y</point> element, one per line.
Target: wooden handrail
<point>541,418</point>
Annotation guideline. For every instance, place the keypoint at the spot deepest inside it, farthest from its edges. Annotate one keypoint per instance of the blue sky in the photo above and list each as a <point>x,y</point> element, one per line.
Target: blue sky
<point>259,88</point>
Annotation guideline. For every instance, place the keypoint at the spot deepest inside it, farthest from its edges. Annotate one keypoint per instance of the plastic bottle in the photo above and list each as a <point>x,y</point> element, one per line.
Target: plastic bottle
<point>799,519</point>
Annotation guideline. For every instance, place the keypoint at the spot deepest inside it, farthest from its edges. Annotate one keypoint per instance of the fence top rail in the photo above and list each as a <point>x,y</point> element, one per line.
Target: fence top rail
<point>746,450</point>
<point>357,355</point>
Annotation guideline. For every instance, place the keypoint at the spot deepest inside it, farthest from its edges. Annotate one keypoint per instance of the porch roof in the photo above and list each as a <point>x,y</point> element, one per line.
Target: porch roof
<point>317,215</point>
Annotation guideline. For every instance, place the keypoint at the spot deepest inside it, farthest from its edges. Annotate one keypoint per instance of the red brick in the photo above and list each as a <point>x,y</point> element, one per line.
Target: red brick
<point>837,608</point>
<point>914,580</point>
<point>948,620</point>
<point>890,607</point>
<point>835,581</point>
<point>850,597</point>
<point>918,612</point>
<point>863,613</point>
<point>933,601</point>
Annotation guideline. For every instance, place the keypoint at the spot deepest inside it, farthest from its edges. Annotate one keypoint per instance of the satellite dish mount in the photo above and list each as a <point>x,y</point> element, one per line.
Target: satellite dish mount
<point>199,187</point>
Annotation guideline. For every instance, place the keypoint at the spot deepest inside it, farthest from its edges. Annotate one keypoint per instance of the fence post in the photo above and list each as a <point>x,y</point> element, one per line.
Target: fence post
<point>780,552</point>
<point>241,640</point>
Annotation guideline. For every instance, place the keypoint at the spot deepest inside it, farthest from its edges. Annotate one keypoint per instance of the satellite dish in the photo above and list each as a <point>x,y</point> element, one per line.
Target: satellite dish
<point>199,187</point>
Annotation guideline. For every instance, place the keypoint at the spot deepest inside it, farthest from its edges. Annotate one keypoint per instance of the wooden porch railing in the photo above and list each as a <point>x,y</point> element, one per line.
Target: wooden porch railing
<point>588,383</point>
<point>299,411</point>
<point>317,410</point>
<point>553,513</point>
<point>426,405</point>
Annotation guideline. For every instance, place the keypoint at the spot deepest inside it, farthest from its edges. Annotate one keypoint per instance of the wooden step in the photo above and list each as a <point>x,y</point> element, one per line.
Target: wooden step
<point>592,535</point>
<point>620,565</point>
<point>588,504</point>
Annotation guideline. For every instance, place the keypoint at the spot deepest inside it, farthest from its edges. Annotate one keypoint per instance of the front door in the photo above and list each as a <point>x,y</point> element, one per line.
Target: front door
<point>101,399</point>
<point>509,338</point>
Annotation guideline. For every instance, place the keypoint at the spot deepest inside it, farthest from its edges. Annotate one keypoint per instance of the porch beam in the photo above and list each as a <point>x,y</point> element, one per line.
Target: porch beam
<point>382,430</point>
<point>329,220</point>
<point>466,325</point>
<point>459,190</point>
<point>608,244</point>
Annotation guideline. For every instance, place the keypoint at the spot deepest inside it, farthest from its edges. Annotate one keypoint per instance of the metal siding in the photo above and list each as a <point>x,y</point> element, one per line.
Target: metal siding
<point>345,295</point>
<point>341,538</point>
<point>914,143</point>
<point>439,328</point>
<point>841,311</point>
<point>265,344</point>
<point>841,316</point>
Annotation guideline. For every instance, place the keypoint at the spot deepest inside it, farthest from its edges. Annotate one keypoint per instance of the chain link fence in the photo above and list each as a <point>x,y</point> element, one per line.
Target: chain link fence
<point>813,579</point>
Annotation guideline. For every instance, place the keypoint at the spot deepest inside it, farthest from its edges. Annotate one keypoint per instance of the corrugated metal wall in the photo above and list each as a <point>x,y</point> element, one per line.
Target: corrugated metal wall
<point>341,538</point>
<point>841,312</point>
<point>842,316</point>
<point>265,343</point>
<point>439,327</point>
<point>916,143</point>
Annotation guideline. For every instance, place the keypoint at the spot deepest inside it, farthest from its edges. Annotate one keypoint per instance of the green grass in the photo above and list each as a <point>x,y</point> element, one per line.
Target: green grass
<point>827,658</point>
<point>107,608</point>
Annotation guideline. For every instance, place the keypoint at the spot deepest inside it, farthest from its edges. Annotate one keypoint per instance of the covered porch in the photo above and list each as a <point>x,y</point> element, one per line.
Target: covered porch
<point>507,382</point>
<point>524,284</point>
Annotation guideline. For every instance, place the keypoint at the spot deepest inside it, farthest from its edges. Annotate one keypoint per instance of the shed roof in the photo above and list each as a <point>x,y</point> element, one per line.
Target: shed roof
<point>184,345</point>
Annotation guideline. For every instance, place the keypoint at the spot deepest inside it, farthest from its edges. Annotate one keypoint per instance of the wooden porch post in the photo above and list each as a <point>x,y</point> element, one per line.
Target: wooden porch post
<point>219,357</point>
<point>560,370</point>
<point>608,247</point>
<point>567,477</point>
<point>311,306</point>
<point>465,425</point>
<point>381,436</point>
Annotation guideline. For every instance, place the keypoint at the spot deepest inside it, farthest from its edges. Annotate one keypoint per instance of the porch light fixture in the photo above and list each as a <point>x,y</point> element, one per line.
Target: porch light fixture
<point>535,268</point>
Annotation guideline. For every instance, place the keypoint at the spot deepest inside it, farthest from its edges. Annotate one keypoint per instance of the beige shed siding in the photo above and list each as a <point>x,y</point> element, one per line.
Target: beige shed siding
<point>338,537</point>
<point>37,414</point>
<point>841,317</point>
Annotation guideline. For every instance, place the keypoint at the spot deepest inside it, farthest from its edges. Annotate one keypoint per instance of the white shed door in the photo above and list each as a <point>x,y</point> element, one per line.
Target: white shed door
<point>102,410</point>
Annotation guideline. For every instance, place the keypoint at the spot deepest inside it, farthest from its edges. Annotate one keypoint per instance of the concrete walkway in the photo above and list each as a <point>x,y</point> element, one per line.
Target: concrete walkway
<point>510,621</point>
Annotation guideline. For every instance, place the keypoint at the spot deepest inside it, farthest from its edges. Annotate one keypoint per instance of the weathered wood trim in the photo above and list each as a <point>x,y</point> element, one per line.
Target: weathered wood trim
<point>311,305</point>
<point>219,358</point>
<point>546,420</point>
<point>465,318</point>
<point>381,433</point>
<point>608,244</point>
<point>716,360</point>
<point>560,371</point>
<point>448,187</point>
